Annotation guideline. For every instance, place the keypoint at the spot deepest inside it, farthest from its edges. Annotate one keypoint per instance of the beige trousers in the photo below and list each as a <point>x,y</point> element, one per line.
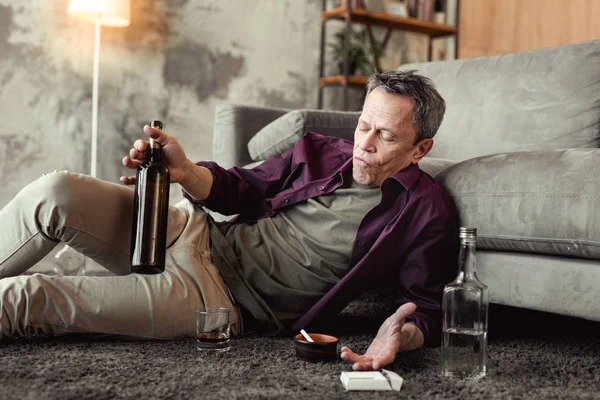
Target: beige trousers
<point>94,217</point>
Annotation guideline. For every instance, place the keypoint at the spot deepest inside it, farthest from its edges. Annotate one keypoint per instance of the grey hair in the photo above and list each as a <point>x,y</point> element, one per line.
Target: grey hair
<point>429,106</point>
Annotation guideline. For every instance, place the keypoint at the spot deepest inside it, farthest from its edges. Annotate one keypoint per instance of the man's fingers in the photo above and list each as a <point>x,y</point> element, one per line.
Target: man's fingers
<point>359,363</point>
<point>135,154</point>
<point>356,359</point>
<point>363,366</point>
<point>129,163</point>
<point>127,180</point>
<point>378,364</point>
<point>156,134</point>
<point>347,354</point>
<point>141,145</point>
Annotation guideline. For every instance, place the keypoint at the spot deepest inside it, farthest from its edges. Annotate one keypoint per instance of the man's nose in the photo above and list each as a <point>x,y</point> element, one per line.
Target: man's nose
<point>367,142</point>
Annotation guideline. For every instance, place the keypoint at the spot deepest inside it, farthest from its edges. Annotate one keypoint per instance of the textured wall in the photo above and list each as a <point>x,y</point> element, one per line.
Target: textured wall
<point>176,61</point>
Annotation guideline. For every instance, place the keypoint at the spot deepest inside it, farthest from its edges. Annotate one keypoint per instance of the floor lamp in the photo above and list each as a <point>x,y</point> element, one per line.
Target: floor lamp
<point>113,13</point>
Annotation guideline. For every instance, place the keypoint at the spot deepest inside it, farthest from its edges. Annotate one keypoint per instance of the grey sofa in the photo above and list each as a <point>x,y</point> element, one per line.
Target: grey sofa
<point>517,151</point>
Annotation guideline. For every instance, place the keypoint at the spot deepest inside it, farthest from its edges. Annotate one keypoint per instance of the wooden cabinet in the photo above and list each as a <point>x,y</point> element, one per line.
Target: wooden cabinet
<point>369,19</point>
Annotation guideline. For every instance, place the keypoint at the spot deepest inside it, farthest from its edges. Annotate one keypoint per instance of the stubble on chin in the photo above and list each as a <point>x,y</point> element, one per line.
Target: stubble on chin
<point>359,175</point>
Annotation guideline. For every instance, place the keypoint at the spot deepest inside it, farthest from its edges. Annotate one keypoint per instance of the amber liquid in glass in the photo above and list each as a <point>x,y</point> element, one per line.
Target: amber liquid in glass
<point>150,213</point>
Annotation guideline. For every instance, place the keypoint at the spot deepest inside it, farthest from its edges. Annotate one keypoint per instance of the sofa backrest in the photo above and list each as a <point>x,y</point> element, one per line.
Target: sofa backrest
<point>535,100</point>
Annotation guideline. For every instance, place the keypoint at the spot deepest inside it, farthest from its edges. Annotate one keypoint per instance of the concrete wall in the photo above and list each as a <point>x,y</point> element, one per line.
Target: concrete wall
<point>176,61</point>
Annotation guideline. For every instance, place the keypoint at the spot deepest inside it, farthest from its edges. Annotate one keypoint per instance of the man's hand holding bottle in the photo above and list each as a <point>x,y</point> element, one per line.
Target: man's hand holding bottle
<point>173,155</point>
<point>195,180</point>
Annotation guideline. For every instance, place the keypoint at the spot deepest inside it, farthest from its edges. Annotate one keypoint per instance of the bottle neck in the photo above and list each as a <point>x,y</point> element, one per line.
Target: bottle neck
<point>155,151</point>
<point>466,261</point>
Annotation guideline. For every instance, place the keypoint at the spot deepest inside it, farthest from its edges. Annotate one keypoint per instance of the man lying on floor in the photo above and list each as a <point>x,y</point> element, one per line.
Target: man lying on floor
<point>317,226</point>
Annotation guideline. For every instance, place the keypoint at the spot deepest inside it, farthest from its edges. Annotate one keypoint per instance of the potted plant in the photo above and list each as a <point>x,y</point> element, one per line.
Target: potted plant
<point>362,55</point>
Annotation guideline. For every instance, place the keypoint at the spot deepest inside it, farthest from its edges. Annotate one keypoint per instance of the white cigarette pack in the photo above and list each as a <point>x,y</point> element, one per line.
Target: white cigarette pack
<point>371,380</point>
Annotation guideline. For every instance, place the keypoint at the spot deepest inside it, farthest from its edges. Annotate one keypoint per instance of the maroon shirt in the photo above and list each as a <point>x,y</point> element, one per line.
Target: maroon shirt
<point>408,243</point>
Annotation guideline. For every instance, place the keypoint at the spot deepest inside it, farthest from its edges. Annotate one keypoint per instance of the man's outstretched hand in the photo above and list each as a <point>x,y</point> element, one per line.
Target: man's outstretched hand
<point>391,338</point>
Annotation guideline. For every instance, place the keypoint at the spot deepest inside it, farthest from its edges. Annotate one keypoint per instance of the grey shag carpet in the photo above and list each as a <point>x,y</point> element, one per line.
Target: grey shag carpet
<point>531,356</point>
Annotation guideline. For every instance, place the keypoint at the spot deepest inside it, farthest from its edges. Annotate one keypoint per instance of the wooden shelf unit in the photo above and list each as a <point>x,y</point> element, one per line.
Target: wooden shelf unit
<point>370,18</point>
<point>353,80</point>
<point>385,20</point>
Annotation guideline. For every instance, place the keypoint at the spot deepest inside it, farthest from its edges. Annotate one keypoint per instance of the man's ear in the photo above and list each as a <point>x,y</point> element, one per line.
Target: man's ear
<point>421,150</point>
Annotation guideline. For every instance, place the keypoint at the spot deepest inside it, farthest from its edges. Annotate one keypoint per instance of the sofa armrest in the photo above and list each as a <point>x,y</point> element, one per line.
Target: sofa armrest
<point>234,126</point>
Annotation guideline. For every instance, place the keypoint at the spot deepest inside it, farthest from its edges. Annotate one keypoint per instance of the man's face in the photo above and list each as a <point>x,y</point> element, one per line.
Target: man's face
<point>384,140</point>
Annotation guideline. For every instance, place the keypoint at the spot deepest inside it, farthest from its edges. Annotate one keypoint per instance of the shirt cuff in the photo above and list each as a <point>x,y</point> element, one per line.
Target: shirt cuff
<point>431,330</point>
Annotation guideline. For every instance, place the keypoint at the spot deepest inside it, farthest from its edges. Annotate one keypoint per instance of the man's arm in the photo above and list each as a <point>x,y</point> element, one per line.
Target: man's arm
<point>197,181</point>
<point>394,336</point>
<point>426,268</point>
<point>236,190</point>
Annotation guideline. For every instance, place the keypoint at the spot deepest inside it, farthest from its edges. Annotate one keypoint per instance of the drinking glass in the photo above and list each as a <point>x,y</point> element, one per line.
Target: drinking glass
<point>213,329</point>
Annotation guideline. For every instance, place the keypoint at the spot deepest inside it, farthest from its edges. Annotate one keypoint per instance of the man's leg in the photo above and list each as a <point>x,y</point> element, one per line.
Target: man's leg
<point>94,217</point>
<point>150,306</point>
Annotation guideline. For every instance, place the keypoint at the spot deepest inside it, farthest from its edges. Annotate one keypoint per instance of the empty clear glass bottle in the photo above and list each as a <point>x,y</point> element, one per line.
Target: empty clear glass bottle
<point>465,316</point>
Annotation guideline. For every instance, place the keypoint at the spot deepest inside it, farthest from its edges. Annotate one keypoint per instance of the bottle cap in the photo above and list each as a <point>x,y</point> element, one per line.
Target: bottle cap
<point>467,233</point>
<point>156,124</point>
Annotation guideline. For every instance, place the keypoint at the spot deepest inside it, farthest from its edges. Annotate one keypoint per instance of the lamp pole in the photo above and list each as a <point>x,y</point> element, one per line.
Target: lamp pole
<point>96,76</point>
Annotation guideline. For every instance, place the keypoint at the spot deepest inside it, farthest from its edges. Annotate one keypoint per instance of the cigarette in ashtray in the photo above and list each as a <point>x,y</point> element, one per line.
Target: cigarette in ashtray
<point>306,336</point>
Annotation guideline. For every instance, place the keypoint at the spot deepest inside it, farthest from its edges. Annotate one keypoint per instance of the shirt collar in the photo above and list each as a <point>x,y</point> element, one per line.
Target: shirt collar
<point>407,176</point>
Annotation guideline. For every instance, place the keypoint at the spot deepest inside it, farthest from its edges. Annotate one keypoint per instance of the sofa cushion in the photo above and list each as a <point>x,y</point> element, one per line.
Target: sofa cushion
<point>541,201</point>
<point>534,100</point>
<point>281,134</point>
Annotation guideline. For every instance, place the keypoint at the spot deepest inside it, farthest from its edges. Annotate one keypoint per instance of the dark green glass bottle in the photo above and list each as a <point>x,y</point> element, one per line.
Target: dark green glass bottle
<point>150,212</point>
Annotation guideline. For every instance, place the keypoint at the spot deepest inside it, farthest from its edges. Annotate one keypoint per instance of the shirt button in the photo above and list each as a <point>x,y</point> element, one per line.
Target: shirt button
<point>287,200</point>
<point>321,187</point>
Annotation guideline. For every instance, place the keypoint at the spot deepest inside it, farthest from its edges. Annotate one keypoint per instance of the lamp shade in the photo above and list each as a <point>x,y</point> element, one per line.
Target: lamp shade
<point>108,12</point>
